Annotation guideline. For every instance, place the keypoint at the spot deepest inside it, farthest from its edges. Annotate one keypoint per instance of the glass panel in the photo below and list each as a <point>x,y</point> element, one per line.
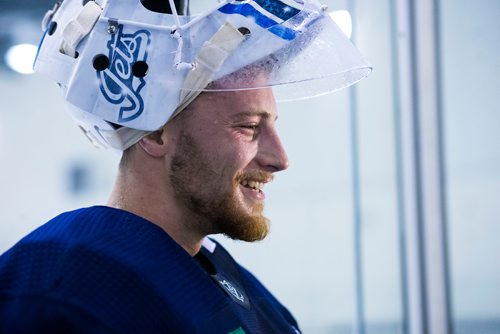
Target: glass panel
<point>379,197</point>
<point>471,81</point>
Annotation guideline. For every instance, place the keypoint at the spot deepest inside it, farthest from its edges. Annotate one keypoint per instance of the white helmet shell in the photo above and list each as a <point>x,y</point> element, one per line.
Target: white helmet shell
<point>126,70</point>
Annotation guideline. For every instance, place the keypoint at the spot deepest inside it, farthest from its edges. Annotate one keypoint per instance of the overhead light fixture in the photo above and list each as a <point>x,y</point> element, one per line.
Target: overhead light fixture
<point>343,20</point>
<point>20,58</point>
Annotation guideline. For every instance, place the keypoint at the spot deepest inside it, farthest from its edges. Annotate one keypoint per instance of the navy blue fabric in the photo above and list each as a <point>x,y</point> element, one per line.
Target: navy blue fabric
<point>103,270</point>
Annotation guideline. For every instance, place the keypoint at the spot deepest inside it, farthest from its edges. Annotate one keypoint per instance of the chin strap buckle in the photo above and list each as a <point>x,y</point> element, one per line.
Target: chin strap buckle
<point>209,60</point>
<point>79,27</point>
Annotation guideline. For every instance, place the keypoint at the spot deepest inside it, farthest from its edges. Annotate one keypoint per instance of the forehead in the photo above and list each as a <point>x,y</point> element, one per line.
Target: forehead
<point>231,104</point>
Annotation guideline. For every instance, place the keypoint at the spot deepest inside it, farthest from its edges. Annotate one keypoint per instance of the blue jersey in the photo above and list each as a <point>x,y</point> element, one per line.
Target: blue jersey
<point>103,270</point>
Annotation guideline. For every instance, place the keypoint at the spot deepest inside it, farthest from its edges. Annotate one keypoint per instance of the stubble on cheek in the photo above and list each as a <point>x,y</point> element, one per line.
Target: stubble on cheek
<point>197,184</point>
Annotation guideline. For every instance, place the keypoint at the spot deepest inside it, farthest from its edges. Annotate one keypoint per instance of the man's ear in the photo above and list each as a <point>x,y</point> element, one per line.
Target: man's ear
<point>155,144</point>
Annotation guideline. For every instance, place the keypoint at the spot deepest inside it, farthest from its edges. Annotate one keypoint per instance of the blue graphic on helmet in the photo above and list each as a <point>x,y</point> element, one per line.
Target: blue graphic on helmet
<point>279,9</point>
<point>47,29</point>
<point>267,14</point>
<point>117,82</point>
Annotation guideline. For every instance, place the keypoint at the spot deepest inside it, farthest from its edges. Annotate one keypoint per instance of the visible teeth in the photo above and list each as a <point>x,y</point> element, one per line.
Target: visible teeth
<point>255,185</point>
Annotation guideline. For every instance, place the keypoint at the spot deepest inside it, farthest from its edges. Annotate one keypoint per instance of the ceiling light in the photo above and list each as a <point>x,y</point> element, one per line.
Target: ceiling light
<point>20,58</point>
<point>343,20</point>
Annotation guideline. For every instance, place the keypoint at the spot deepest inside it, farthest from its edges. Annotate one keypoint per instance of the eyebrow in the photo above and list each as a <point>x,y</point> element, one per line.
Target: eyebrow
<point>261,113</point>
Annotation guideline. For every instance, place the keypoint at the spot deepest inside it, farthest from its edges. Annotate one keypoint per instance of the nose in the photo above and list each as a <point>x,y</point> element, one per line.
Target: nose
<point>272,154</point>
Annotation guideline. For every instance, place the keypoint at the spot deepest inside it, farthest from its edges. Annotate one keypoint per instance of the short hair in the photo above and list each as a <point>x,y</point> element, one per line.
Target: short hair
<point>126,156</point>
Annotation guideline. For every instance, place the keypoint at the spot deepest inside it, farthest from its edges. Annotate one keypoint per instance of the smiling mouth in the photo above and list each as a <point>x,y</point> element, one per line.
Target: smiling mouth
<point>253,185</point>
<point>255,181</point>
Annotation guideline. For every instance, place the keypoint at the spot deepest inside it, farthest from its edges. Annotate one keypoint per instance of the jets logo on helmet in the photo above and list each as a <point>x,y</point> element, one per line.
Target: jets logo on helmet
<point>118,83</point>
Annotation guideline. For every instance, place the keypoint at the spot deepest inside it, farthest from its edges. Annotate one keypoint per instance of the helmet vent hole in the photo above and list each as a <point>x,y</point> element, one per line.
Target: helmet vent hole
<point>244,31</point>
<point>100,62</point>
<point>52,28</point>
<point>140,69</point>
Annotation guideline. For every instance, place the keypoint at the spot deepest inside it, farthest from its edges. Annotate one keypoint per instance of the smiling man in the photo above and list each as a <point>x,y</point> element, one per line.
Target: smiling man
<point>190,102</point>
<point>204,172</point>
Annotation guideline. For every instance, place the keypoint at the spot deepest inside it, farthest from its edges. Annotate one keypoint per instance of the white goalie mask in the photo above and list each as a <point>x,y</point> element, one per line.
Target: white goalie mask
<point>126,70</point>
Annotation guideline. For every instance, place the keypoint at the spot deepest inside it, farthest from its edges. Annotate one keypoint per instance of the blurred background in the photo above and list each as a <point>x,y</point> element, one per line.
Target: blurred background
<point>388,219</point>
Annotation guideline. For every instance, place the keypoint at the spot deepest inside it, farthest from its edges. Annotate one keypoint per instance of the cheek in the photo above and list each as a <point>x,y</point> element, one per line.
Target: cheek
<point>243,149</point>
<point>230,151</point>
<point>245,159</point>
<point>233,159</point>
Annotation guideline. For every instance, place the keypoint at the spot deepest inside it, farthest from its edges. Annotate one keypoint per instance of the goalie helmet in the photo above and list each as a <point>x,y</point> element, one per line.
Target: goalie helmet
<point>126,68</point>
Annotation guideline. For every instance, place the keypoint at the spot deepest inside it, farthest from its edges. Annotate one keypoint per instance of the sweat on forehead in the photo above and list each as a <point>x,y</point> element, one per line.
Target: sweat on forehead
<point>253,76</point>
<point>242,101</point>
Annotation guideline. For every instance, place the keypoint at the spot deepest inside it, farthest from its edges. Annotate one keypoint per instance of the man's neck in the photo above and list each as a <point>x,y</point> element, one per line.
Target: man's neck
<point>154,202</point>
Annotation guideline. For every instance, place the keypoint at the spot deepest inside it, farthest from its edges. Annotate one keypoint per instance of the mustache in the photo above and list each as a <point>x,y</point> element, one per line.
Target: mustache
<point>259,176</point>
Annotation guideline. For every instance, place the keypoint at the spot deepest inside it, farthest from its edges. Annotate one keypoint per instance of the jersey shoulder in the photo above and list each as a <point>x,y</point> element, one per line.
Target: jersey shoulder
<point>106,263</point>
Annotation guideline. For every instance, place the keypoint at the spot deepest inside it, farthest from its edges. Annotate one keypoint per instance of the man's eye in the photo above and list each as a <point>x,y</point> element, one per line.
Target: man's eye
<point>249,130</point>
<point>250,126</point>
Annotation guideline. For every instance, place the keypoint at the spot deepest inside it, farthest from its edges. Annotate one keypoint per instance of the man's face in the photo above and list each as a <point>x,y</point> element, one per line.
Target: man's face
<point>226,151</point>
